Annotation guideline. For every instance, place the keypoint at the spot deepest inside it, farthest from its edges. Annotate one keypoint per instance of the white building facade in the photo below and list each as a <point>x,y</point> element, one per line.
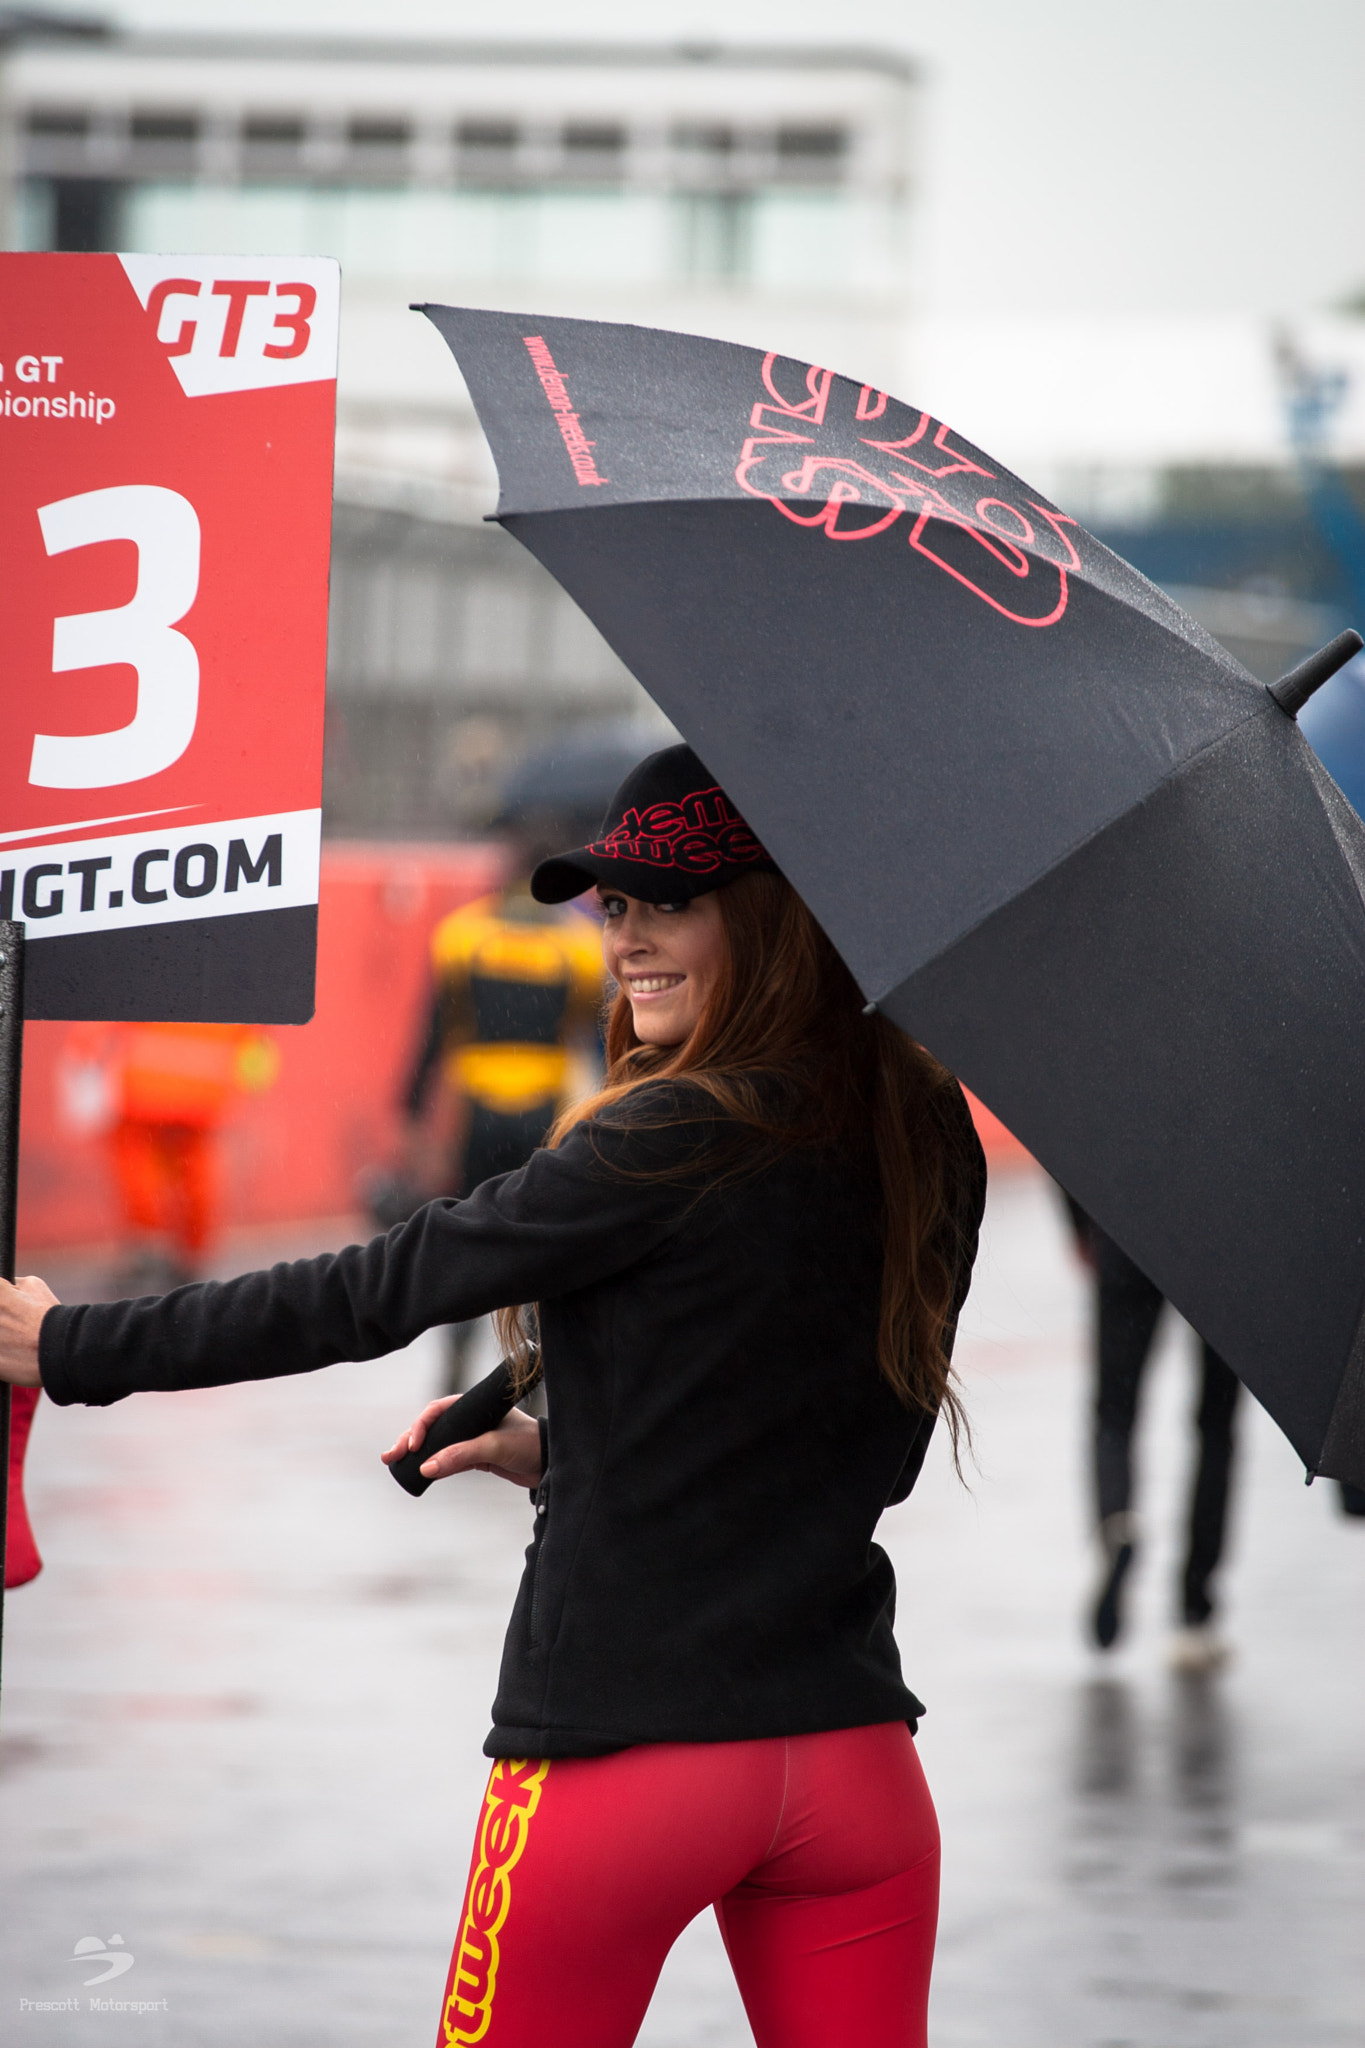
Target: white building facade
<point>756,195</point>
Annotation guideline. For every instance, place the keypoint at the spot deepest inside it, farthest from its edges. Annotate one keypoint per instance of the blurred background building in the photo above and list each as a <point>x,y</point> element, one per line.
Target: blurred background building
<point>756,195</point>
<point>767,195</point>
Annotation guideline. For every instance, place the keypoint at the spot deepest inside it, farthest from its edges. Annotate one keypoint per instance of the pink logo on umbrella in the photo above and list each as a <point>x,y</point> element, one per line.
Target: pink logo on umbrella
<point>860,482</point>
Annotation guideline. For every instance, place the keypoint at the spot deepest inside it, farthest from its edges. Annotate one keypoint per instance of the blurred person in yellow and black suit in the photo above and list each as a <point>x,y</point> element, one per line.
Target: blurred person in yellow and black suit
<point>518,989</point>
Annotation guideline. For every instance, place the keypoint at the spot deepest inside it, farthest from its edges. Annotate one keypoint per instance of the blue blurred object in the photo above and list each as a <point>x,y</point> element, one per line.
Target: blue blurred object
<point>1333,720</point>
<point>1333,723</point>
<point>575,777</point>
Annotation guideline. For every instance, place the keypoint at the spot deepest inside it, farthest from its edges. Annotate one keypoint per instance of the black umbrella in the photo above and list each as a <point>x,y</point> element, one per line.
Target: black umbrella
<point>1056,831</point>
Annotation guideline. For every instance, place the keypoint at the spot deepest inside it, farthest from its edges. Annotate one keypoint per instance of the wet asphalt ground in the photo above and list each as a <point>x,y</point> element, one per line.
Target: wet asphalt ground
<point>244,1705</point>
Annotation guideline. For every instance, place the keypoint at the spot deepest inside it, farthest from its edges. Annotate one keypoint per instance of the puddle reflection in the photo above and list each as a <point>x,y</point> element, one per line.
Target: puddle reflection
<point>1180,1750</point>
<point>1107,1740</point>
<point>1203,1747</point>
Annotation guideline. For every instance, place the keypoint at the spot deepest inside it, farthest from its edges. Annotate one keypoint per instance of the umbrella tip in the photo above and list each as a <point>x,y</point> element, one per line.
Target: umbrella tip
<point>869,1009</point>
<point>1292,692</point>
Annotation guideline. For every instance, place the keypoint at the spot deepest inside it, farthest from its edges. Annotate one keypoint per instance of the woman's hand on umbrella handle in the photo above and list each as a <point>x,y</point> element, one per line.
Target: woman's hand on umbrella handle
<point>511,1451</point>
<point>411,1439</point>
<point>22,1308</point>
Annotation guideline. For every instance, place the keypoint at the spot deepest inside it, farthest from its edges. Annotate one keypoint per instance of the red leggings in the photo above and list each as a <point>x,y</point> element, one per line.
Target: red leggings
<point>818,1852</point>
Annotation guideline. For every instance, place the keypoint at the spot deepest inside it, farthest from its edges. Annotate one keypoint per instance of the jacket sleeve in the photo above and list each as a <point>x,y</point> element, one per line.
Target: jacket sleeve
<point>966,1224</point>
<point>566,1219</point>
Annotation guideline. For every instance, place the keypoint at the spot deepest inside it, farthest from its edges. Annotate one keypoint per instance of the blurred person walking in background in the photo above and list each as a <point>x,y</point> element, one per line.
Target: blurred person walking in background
<point>161,1094</point>
<point>1127,1310</point>
<point>517,984</point>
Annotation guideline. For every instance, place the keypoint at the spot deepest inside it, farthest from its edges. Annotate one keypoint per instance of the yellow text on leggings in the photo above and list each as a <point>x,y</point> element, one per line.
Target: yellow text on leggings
<point>513,1795</point>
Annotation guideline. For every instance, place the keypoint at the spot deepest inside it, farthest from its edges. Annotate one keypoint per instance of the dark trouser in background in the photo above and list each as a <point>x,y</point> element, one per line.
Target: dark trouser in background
<point>495,1143</point>
<point>1129,1309</point>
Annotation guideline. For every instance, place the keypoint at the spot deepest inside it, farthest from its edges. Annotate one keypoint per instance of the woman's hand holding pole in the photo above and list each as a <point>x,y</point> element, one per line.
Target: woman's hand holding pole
<point>22,1308</point>
<point>511,1451</point>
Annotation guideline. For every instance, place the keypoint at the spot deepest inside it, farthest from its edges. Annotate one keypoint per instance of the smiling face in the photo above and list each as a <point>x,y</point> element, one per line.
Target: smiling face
<point>666,956</point>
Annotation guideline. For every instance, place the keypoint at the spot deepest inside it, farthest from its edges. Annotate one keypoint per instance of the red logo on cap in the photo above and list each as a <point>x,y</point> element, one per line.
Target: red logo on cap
<point>698,835</point>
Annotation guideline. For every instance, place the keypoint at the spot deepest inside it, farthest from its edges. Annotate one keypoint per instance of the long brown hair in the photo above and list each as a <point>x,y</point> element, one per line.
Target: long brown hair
<point>784,1005</point>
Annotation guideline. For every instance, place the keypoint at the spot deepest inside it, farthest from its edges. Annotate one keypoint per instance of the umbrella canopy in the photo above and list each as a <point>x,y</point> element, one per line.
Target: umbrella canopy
<point>1056,831</point>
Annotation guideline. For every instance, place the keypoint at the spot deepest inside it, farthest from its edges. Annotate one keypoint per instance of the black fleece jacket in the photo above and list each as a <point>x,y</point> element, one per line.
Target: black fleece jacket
<point>721,1442</point>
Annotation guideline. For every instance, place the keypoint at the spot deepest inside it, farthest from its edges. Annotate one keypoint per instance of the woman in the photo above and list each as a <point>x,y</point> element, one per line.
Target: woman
<point>747,1255</point>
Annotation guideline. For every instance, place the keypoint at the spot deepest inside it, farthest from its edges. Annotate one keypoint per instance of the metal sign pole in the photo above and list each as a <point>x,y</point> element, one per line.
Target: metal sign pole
<point>11,1059</point>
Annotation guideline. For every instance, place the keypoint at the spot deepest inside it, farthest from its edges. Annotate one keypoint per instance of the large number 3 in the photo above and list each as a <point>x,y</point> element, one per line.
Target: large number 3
<point>166,532</point>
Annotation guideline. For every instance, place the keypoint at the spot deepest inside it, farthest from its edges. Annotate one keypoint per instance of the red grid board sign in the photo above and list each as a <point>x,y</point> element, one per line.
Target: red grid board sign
<point>167,430</point>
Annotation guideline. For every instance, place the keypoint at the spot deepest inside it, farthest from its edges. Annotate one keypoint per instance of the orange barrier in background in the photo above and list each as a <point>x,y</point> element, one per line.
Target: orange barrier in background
<point>295,1151</point>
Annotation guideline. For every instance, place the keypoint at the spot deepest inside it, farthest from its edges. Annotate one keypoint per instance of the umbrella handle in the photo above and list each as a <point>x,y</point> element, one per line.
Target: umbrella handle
<point>481,1409</point>
<point>1292,692</point>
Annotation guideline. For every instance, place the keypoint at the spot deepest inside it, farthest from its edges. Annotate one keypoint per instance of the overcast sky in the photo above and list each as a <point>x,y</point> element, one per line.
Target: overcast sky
<point>1083,155</point>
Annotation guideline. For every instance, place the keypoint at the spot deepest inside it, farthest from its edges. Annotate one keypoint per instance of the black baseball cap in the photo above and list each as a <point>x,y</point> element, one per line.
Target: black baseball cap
<point>670,833</point>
